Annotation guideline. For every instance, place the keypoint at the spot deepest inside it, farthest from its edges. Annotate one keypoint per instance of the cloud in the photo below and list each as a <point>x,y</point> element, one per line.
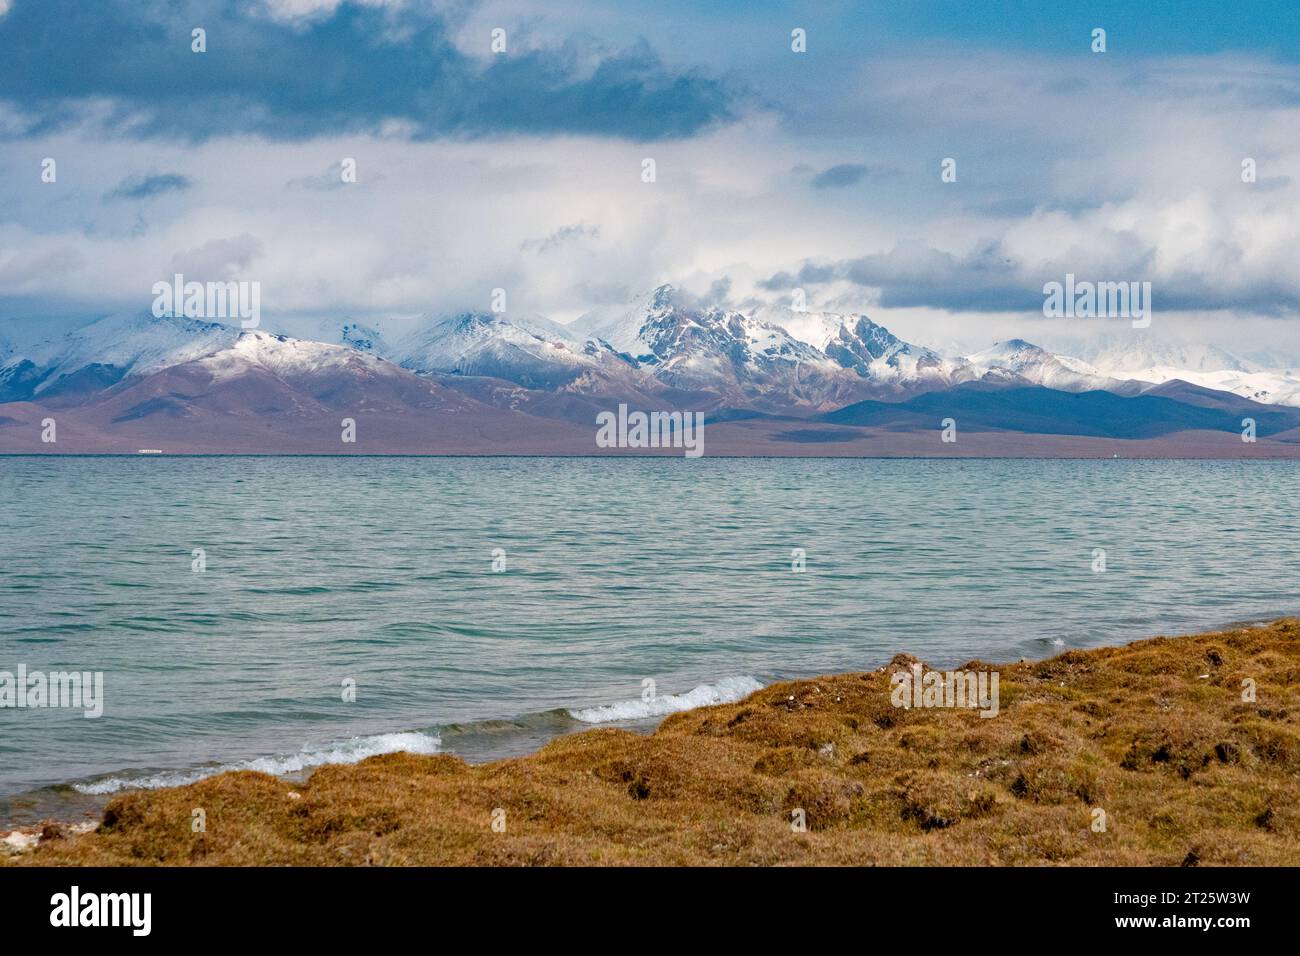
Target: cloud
<point>303,69</point>
<point>331,178</point>
<point>218,259</point>
<point>913,273</point>
<point>34,268</point>
<point>146,187</point>
<point>1204,253</point>
<point>313,9</point>
<point>837,177</point>
<point>523,172</point>
<point>559,237</point>
<point>718,294</point>
<point>850,174</point>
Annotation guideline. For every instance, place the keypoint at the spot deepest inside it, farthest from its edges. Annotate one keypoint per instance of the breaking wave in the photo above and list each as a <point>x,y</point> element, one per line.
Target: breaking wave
<point>725,691</point>
<point>347,751</point>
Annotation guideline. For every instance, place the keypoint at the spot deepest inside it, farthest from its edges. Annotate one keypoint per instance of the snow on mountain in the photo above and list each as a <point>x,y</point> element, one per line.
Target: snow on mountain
<point>621,326</point>
<point>856,343</point>
<point>664,330</point>
<point>285,358</point>
<point>363,338</point>
<point>140,343</point>
<point>531,351</point>
<point>739,357</point>
<point>1038,366</point>
<point>1209,366</point>
<point>877,354</point>
<point>103,352</point>
<point>1275,387</point>
<point>1123,358</point>
<point>815,328</point>
<point>264,377</point>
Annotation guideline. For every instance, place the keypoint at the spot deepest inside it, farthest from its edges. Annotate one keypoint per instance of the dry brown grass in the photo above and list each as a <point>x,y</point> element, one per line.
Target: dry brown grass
<point>1184,769</point>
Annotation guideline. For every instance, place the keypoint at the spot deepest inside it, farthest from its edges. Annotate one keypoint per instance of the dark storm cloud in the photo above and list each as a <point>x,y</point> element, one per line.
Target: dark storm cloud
<point>346,72</point>
<point>989,279</point>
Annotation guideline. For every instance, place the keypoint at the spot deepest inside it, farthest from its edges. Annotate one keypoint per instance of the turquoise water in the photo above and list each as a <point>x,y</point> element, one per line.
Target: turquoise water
<point>380,571</point>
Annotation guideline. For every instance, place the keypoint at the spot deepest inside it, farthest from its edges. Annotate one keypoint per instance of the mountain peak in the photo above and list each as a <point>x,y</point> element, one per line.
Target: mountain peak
<point>1009,347</point>
<point>661,297</point>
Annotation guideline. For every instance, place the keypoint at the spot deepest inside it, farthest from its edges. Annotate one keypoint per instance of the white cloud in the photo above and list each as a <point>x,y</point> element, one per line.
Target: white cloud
<point>309,9</point>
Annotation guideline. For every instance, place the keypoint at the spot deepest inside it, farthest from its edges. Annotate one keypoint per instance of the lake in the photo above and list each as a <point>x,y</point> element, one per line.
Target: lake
<point>280,613</point>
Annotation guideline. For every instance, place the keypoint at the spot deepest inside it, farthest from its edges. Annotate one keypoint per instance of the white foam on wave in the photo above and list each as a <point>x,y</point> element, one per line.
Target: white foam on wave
<point>725,691</point>
<point>347,751</point>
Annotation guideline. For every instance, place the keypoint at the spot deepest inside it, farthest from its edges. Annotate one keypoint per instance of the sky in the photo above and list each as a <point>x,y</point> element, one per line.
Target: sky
<point>775,170</point>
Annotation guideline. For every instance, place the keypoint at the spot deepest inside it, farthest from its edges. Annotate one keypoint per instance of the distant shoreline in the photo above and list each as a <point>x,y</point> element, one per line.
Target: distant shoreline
<point>1272,452</point>
<point>1141,754</point>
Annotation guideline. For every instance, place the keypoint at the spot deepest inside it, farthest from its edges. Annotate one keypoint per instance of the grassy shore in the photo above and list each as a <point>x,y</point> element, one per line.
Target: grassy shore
<point>1155,734</point>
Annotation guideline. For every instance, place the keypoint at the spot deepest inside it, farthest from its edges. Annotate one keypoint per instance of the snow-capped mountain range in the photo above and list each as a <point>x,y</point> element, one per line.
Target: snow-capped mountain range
<point>772,360</point>
<point>1203,365</point>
